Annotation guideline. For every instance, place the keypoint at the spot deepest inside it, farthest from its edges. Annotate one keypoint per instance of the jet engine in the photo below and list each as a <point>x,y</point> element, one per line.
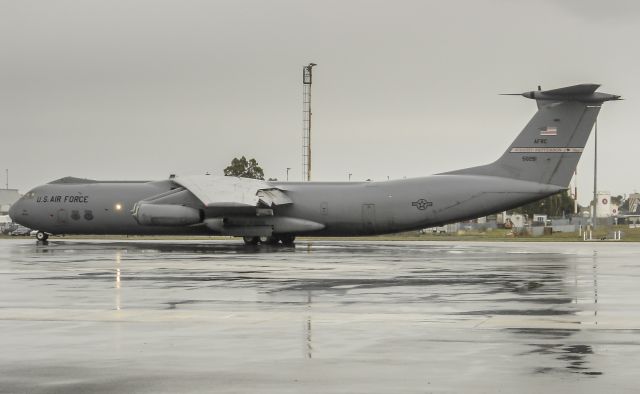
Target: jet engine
<point>166,214</point>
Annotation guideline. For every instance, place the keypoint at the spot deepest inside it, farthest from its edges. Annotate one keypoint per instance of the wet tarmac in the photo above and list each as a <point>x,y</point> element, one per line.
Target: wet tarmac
<point>322,317</point>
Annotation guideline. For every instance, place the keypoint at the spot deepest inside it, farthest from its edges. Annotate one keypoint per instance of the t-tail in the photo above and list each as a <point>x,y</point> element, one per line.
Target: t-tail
<point>549,147</point>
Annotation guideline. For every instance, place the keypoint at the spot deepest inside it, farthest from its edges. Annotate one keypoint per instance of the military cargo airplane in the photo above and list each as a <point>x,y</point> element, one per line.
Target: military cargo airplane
<point>539,163</point>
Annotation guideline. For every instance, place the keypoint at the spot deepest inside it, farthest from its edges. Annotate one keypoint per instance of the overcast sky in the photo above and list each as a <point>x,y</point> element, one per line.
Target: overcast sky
<point>141,89</point>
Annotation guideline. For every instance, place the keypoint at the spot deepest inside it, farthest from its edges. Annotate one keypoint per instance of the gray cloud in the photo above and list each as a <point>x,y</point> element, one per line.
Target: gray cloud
<point>141,89</point>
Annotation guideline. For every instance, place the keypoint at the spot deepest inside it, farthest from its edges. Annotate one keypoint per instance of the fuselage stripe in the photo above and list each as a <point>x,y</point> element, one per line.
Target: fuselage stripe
<point>547,150</point>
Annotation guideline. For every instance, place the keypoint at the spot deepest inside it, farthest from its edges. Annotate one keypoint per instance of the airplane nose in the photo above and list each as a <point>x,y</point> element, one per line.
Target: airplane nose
<point>13,211</point>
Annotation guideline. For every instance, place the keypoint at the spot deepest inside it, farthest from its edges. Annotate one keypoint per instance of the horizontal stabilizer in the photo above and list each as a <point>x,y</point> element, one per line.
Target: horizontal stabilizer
<point>584,89</point>
<point>585,93</point>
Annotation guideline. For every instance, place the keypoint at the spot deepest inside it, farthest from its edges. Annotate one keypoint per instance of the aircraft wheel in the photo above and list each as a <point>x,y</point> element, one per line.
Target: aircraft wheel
<point>42,236</point>
<point>251,240</point>
<point>287,239</point>
<point>272,240</point>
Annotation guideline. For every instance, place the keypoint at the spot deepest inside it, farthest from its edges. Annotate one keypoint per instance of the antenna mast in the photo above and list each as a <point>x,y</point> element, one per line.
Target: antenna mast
<point>306,121</point>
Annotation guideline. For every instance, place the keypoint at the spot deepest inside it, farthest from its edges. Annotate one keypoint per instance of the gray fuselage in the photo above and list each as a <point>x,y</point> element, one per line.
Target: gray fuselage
<point>345,208</point>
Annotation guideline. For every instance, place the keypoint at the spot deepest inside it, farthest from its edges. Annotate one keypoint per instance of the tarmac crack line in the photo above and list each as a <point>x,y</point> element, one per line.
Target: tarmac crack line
<point>482,322</point>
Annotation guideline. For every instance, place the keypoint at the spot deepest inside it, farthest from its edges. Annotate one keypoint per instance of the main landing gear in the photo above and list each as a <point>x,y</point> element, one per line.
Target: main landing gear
<point>42,236</point>
<point>286,240</point>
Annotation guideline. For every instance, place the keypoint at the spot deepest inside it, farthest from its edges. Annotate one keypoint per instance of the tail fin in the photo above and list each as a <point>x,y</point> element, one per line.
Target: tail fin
<point>549,147</point>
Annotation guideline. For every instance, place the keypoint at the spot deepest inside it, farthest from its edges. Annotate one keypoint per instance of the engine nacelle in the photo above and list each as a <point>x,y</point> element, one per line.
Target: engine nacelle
<point>166,215</point>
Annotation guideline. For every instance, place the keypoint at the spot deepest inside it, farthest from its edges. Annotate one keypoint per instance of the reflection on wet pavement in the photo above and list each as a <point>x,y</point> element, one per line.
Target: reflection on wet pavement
<point>321,316</point>
<point>573,357</point>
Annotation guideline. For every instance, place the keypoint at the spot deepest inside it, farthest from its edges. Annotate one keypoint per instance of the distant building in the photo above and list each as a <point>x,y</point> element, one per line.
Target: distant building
<point>516,220</point>
<point>7,198</point>
<point>634,203</point>
<point>539,219</point>
<point>5,224</point>
<point>605,209</point>
<point>632,216</point>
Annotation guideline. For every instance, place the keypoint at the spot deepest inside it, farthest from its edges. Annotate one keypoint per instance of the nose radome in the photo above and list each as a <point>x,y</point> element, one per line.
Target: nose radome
<point>15,209</point>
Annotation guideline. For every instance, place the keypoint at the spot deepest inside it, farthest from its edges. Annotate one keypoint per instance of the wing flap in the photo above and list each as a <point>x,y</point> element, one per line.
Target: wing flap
<point>271,197</point>
<point>232,192</point>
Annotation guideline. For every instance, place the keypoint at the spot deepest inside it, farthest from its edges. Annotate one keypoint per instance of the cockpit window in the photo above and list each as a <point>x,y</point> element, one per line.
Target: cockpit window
<point>30,195</point>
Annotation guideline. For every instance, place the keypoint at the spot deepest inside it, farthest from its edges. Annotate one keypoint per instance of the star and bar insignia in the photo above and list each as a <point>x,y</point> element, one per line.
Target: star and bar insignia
<point>422,204</point>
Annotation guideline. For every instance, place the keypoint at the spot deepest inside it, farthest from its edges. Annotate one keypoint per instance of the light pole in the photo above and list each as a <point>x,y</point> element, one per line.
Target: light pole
<point>595,177</point>
<point>350,177</point>
<point>306,121</point>
<point>288,168</point>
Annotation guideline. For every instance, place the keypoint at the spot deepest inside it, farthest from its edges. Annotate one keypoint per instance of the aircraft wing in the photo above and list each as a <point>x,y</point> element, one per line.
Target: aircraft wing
<point>231,206</point>
<point>233,192</point>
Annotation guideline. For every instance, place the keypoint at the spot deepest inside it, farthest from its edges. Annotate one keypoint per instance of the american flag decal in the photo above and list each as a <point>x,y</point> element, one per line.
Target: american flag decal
<point>549,130</point>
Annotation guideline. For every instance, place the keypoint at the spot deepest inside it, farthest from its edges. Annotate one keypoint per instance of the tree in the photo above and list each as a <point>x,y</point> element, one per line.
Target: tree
<point>552,206</point>
<point>245,169</point>
<point>618,200</point>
